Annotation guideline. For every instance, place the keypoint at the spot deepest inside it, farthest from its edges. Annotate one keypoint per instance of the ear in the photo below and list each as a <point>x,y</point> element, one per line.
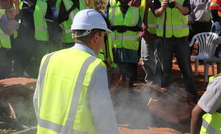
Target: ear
<point>72,35</point>
<point>95,37</point>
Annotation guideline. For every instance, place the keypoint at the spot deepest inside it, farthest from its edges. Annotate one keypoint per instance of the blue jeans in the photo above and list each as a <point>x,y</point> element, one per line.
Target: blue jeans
<point>179,47</point>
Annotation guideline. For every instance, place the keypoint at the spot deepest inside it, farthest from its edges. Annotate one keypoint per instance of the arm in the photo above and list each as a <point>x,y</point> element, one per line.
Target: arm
<point>16,2</point>
<point>196,119</point>
<point>160,10</point>
<point>215,15</point>
<point>183,9</point>
<point>191,16</point>
<point>7,23</point>
<point>210,102</point>
<point>100,103</point>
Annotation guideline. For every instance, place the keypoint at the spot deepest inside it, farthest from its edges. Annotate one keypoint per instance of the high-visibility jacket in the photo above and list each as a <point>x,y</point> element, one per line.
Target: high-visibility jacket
<point>5,41</point>
<point>151,18</point>
<point>176,23</point>
<point>216,5</point>
<point>41,27</point>
<point>106,53</point>
<point>66,25</point>
<point>128,39</point>
<point>62,92</point>
<point>212,77</point>
<point>114,3</point>
<point>211,122</point>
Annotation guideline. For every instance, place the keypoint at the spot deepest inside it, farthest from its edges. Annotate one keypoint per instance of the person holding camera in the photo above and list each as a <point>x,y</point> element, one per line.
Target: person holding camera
<point>172,27</point>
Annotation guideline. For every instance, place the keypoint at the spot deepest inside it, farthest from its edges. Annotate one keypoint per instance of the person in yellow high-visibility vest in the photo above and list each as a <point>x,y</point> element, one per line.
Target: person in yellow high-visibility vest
<point>126,25</point>
<point>173,29</point>
<point>33,37</point>
<point>7,26</point>
<point>149,42</point>
<point>67,12</point>
<point>72,95</point>
<point>206,115</point>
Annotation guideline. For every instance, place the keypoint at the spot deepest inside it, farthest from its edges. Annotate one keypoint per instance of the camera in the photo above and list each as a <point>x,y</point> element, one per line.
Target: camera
<point>5,4</point>
<point>171,4</point>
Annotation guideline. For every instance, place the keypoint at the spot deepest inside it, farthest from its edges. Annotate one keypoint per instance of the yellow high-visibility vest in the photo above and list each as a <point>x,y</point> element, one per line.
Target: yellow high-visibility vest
<point>131,19</point>
<point>176,23</point>
<point>62,92</point>
<point>5,41</point>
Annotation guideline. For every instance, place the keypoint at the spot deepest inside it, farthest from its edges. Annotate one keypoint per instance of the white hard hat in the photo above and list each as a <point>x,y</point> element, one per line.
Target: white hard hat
<point>89,19</point>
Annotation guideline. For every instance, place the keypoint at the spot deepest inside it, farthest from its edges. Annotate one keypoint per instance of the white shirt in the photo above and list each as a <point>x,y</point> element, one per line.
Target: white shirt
<point>210,102</point>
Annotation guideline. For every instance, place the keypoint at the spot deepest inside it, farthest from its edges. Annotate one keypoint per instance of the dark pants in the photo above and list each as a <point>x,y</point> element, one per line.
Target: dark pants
<point>179,47</point>
<point>2,58</point>
<point>28,55</point>
<point>129,70</point>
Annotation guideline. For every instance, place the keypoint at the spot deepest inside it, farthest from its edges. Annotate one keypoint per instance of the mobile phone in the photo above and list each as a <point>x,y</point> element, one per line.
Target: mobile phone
<point>5,4</point>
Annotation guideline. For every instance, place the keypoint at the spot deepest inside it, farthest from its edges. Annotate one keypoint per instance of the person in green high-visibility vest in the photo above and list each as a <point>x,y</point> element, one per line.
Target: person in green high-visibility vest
<point>206,115</point>
<point>172,28</point>
<point>126,24</point>
<point>7,25</point>
<point>149,42</point>
<point>33,37</point>
<point>67,12</point>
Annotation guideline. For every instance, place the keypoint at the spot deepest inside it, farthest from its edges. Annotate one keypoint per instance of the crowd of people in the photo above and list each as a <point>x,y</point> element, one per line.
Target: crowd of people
<point>61,43</point>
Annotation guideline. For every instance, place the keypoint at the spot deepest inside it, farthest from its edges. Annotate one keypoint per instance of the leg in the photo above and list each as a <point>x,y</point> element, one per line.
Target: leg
<point>149,59</point>
<point>165,52</point>
<point>183,59</point>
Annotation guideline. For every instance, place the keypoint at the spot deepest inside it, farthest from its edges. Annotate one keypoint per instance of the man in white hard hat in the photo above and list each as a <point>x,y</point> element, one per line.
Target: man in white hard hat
<point>72,95</point>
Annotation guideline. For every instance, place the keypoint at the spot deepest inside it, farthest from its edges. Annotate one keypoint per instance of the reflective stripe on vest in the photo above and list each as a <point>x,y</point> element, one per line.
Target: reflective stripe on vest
<point>151,18</point>
<point>211,123</point>
<point>152,22</point>
<point>176,23</point>
<point>66,25</point>
<point>215,4</point>
<point>41,27</point>
<point>68,124</point>
<point>131,19</point>
<point>5,41</point>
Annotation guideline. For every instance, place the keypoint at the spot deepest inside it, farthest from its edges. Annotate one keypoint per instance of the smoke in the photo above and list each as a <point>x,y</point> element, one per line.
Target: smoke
<point>20,98</point>
<point>167,109</point>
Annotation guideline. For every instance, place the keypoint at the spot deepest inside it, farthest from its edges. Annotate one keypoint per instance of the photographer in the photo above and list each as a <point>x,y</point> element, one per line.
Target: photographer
<point>172,27</point>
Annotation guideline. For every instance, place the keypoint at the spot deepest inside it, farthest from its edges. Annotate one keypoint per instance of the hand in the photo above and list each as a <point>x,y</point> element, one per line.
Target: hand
<point>17,3</point>
<point>177,5</point>
<point>11,13</point>
<point>191,22</point>
<point>164,4</point>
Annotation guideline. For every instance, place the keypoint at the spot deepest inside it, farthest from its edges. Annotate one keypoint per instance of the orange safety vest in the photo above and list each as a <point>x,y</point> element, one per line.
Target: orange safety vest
<point>216,5</point>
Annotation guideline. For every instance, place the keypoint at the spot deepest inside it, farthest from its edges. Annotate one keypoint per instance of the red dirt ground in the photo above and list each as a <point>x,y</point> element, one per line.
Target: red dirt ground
<point>134,117</point>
